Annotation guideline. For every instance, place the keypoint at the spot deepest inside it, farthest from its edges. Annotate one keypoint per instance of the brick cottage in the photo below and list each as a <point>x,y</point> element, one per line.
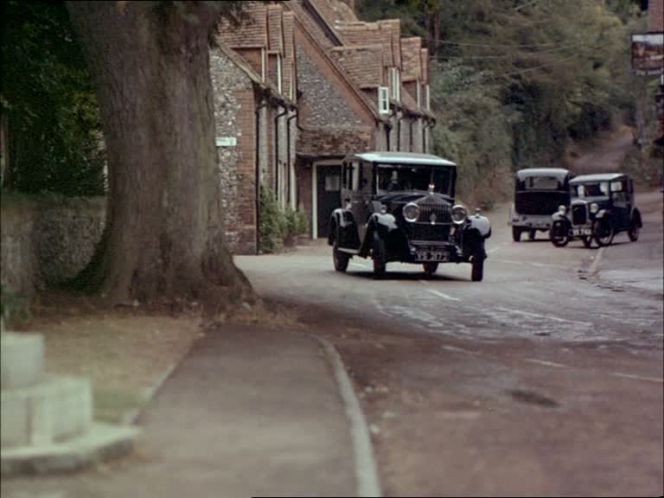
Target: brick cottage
<point>300,84</point>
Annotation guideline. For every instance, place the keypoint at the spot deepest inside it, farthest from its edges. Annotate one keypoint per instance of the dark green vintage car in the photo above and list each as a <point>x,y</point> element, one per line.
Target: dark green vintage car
<point>601,206</point>
<point>399,206</point>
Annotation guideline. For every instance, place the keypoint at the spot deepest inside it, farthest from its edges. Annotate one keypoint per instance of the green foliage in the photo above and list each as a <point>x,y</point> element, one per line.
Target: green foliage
<point>278,227</point>
<point>47,96</point>
<point>516,80</point>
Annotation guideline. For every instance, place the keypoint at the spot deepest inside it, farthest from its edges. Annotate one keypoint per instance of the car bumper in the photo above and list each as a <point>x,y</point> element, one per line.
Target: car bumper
<point>537,222</point>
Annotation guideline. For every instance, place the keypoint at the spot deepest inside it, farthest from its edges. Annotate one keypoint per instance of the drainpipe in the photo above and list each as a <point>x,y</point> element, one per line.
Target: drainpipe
<point>258,170</point>
<point>288,156</point>
<point>276,151</point>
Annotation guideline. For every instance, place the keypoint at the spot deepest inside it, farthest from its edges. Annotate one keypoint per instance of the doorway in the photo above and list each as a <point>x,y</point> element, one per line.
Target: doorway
<point>328,195</point>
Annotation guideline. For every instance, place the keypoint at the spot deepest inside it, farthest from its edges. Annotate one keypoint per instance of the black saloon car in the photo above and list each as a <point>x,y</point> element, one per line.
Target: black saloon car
<point>399,206</point>
<point>601,206</point>
<point>538,192</point>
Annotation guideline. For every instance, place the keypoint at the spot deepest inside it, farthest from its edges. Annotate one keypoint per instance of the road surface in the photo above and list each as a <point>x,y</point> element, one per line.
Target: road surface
<point>544,379</point>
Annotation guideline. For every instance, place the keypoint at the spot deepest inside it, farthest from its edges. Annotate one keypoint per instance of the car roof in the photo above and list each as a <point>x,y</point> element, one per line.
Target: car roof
<point>530,172</point>
<point>598,177</point>
<point>402,158</point>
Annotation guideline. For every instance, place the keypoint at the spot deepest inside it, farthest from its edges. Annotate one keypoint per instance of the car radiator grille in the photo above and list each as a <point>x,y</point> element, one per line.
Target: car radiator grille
<point>443,212</point>
<point>429,232</point>
<point>579,216</point>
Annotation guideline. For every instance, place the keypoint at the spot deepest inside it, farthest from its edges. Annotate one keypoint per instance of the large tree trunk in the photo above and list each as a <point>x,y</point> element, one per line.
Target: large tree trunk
<point>164,236</point>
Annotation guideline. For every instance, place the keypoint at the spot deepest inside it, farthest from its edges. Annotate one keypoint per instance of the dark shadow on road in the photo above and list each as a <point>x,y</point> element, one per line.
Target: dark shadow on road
<point>406,276</point>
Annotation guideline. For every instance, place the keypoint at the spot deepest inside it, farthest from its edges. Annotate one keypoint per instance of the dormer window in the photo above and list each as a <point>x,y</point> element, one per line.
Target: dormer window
<point>383,100</point>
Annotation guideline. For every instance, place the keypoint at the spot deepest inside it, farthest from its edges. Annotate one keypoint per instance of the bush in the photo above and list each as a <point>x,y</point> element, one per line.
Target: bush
<point>278,227</point>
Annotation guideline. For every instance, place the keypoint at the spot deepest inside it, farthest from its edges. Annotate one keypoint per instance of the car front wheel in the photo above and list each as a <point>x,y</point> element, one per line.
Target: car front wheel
<point>430,268</point>
<point>379,256</point>
<point>477,269</point>
<point>516,234</point>
<point>603,232</point>
<point>559,234</point>
<point>340,259</point>
<point>633,232</point>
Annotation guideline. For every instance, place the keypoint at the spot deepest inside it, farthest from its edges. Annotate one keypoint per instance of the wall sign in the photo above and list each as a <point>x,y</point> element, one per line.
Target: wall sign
<point>226,141</point>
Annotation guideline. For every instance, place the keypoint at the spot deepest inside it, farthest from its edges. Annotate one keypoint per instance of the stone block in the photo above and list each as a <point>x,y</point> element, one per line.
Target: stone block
<point>54,410</point>
<point>21,359</point>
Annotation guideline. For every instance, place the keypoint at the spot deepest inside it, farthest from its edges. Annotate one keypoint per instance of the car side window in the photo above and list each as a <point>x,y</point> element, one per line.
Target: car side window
<point>366,178</point>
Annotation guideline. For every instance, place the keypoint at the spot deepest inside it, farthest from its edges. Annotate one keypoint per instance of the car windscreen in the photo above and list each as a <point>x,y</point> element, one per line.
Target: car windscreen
<point>544,183</point>
<point>395,178</point>
<point>598,189</point>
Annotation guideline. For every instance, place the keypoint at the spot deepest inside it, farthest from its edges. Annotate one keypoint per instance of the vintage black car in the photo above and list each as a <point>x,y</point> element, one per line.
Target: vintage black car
<point>601,206</point>
<point>399,206</point>
<point>537,194</point>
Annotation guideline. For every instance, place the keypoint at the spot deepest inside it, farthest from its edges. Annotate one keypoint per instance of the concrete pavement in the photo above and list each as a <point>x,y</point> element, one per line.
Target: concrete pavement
<point>249,412</point>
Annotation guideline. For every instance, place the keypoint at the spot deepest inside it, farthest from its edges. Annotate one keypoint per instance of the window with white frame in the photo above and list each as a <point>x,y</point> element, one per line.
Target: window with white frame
<point>383,100</point>
<point>279,73</point>
<point>395,84</point>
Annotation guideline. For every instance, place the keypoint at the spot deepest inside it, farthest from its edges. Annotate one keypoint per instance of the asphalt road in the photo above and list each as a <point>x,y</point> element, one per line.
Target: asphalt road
<point>544,379</point>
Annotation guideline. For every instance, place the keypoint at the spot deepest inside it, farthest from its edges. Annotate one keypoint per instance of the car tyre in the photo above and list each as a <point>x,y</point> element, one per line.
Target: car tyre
<point>532,234</point>
<point>379,256</point>
<point>340,259</point>
<point>477,269</point>
<point>430,268</point>
<point>587,242</point>
<point>559,234</point>
<point>516,234</point>
<point>633,232</point>
<point>603,232</point>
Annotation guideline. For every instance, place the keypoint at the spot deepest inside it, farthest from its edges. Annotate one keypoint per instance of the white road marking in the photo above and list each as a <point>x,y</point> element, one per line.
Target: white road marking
<point>531,263</point>
<point>443,295</point>
<point>458,350</point>
<point>637,377</point>
<point>546,363</point>
<point>538,315</point>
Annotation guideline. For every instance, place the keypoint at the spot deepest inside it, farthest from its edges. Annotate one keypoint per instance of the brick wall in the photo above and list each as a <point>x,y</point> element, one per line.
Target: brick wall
<point>656,15</point>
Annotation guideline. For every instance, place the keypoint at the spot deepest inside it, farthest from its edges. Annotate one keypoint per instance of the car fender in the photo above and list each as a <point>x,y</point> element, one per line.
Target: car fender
<point>479,223</point>
<point>340,219</point>
<point>603,213</point>
<point>383,221</point>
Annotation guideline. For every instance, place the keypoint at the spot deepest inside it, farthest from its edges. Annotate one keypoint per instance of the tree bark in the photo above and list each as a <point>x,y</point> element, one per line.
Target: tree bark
<point>165,234</point>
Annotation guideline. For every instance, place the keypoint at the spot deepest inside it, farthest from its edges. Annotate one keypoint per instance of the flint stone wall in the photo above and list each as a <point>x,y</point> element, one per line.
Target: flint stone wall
<point>46,242</point>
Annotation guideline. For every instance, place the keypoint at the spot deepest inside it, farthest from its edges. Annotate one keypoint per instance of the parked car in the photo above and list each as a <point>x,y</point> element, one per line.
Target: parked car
<point>601,206</point>
<point>399,206</point>
<point>537,194</point>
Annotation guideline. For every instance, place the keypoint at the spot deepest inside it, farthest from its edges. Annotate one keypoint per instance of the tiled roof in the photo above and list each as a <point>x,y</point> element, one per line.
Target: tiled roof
<point>252,31</point>
<point>364,63</point>
<point>333,141</point>
<point>334,10</point>
<point>274,28</point>
<point>368,33</point>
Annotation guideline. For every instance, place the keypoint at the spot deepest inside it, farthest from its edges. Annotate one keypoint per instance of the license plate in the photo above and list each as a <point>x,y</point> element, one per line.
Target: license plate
<point>582,231</point>
<point>430,255</point>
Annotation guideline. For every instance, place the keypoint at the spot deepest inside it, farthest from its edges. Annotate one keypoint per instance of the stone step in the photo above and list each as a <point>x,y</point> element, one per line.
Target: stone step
<point>21,359</point>
<point>100,442</point>
<point>56,409</point>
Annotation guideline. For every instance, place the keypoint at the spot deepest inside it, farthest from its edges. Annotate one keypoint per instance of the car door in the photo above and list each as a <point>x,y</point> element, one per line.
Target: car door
<point>361,197</point>
<point>621,204</point>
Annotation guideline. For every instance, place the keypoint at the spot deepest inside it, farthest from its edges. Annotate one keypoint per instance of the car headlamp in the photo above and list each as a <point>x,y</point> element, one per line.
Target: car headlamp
<point>594,207</point>
<point>562,209</point>
<point>411,212</point>
<point>459,214</point>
